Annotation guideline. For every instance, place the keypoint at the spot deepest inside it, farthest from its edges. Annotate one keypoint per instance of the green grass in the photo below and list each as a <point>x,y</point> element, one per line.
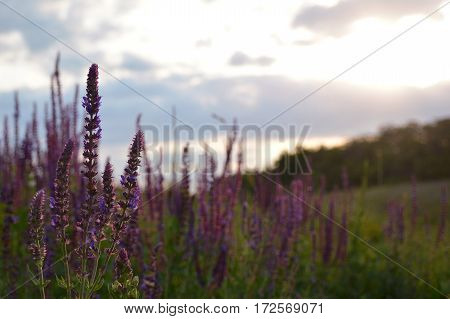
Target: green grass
<point>366,273</point>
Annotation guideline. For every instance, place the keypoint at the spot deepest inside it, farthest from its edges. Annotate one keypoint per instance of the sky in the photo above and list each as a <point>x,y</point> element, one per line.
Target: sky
<point>249,60</point>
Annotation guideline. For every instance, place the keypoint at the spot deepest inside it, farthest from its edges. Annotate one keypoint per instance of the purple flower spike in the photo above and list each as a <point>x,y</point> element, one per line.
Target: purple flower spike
<point>131,194</point>
<point>60,203</point>
<point>129,178</point>
<point>125,285</point>
<point>36,244</point>
<point>90,208</point>
<point>107,203</point>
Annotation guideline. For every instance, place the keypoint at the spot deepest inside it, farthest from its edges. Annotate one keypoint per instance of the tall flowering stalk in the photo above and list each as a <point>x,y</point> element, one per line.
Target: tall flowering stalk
<point>328,235</point>
<point>184,187</point>
<point>36,244</point>
<point>443,215</point>
<point>400,223</point>
<point>125,285</point>
<point>127,206</point>
<point>107,207</point>
<point>59,205</point>
<point>414,204</point>
<point>91,103</point>
<point>150,286</point>
<point>37,149</point>
<point>16,125</point>
<point>128,180</point>
<point>159,201</point>
<point>107,202</point>
<point>132,238</point>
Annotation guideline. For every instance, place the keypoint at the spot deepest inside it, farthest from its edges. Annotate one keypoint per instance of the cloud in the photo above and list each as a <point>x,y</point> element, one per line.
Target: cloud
<point>240,58</point>
<point>305,42</point>
<point>337,20</point>
<point>134,63</point>
<point>74,23</point>
<point>203,43</point>
<point>340,110</point>
<point>32,10</point>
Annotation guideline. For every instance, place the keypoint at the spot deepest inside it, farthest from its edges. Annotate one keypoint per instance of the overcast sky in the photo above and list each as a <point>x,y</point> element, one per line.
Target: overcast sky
<point>246,59</point>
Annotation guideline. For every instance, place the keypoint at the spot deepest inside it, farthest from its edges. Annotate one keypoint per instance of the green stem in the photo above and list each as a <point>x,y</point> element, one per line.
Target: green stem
<point>40,265</point>
<point>103,271</point>
<point>41,275</point>
<point>108,258</point>
<point>94,271</point>
<point>84,262</point>
<point>66,265</point>
<point>83,271</point>
<point>111,250</point>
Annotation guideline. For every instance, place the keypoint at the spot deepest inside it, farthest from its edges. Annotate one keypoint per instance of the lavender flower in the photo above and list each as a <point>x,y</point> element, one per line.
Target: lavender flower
<point>36,244</point>
<point>60,208</point>
<point>92,135</point>
<point>159,201</point>
<point>107,203</point>
<point>341,250</point>
<point>36,148</point>
<point>150,286</point>
<point>184,187</point>
<point>125,285</point>
<point>328,245</point>
<point>91,103</point>
<point>132,238</point>
<point>121,217</point>
<point>128,180</point>
<point>59,204</point>
<point>220,269</point>
<point>16,124</point>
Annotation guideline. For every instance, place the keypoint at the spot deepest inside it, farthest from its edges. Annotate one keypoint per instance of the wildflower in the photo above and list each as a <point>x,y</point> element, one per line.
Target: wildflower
<point>107,203</point>
<point>132,238</point>
<point>414,203</point>
<point>328,246</point>
<point>59,204</point>
<point>443,216</point>
<point>91,103</point>
<point>36,244</point>
<point>128,180</point>
<point>125,285</point>
<point>150,287</point>
<point>220,267</point>
<point>184,187</point>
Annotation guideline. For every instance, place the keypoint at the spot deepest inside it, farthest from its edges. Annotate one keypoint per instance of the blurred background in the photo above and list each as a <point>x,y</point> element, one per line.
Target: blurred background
<point>250,60</point>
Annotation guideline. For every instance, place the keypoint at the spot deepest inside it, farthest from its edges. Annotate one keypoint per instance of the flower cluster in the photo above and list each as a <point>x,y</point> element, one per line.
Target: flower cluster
<point>125,285</point>
<point>59,204</point>
<point>128,180</point>
<point>36,244</point>
<point>92,135</point>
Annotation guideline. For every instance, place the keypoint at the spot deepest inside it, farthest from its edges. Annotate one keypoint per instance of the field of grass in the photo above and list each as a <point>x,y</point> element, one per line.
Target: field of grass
<point>366,272</point>
<point>70,229</point>
<point>375,266</point>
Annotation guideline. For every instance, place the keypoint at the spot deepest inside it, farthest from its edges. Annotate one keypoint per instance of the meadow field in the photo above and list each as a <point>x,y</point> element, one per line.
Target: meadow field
<point>73,229</point>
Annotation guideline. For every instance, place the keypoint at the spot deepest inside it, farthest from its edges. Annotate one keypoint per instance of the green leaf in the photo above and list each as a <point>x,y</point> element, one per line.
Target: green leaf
<point>33,277</point>
<point>61,282</point>
<point>99,285</point>
<point>135,281</point>
<point>46,282</point>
